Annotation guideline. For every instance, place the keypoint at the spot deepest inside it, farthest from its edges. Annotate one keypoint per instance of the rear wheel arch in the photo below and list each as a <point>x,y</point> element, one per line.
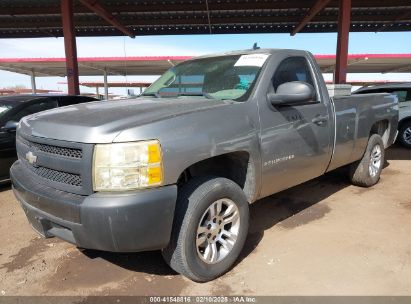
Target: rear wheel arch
<point>366,171</point>
<point>381,128</point>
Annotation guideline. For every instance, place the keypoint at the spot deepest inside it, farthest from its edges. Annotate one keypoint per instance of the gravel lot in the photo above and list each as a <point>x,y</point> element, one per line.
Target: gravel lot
<point>324,237</point>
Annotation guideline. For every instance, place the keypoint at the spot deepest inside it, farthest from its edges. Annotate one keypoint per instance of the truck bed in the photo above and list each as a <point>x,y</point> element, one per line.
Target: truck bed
<point>354,116</point>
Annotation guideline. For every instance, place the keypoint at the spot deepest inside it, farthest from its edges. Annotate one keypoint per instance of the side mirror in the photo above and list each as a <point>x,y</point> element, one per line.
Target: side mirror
<point>292,93</point>
<point>10,126</point>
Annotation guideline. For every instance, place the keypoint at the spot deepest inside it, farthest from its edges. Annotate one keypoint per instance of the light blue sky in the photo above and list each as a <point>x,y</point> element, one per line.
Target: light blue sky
<point>399,42</point>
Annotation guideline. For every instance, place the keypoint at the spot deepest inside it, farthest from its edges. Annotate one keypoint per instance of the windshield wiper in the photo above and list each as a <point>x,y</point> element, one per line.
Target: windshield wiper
<point>155,94</point>
<point>204,94</point>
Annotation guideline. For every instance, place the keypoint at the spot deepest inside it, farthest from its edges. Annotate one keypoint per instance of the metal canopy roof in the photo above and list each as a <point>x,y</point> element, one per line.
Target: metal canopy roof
<point>92,66</point>
<point>113,84</point>
<point>42,18</point>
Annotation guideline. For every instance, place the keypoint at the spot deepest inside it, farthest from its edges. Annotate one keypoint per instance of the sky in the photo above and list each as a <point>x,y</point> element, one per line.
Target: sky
<point>192,45</point>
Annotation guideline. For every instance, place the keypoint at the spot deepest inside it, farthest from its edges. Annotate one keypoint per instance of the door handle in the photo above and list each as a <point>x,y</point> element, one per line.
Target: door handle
<point>320,120</point>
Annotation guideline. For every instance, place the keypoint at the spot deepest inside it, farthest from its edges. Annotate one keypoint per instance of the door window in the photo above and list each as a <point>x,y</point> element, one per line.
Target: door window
<point>401,94</point>
<point>34,108</point>
<point>292,69</point>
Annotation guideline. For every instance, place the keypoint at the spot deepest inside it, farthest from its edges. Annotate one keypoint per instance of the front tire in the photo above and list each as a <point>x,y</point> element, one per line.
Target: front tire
<point>366,172</point>
<point>404,134</point>
<point>209,229</point>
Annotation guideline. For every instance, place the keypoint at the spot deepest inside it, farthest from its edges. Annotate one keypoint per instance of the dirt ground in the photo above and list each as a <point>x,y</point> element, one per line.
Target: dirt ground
<point>324,237</point>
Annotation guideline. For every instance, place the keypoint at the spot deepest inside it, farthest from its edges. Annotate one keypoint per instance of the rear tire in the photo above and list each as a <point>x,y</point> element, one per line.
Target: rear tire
<point>209,230</point>
<point>404,134</point>
<point>366,172</point>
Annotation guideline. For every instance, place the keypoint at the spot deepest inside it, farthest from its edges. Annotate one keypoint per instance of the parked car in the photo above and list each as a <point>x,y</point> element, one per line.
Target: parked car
<point>12,109</point>
<point>403,92</point>
<point>177,168</point>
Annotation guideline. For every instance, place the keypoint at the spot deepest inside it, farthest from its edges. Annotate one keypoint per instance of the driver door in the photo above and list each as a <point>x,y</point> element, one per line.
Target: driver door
<point>295,140</point>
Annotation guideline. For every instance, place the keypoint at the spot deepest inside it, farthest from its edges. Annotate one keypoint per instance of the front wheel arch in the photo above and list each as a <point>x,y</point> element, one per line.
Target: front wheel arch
<point>239,167</point>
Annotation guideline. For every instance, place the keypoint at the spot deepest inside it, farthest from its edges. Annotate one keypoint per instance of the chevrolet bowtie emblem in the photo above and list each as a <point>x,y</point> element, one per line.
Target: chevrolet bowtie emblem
<point>31,158</point>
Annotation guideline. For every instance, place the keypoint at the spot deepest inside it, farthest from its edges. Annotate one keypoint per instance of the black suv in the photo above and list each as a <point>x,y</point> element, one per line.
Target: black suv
<point>13,108</point>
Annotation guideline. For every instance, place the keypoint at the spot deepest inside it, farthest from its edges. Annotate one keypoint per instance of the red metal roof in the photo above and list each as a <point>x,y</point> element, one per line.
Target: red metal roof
<point>357,56</point>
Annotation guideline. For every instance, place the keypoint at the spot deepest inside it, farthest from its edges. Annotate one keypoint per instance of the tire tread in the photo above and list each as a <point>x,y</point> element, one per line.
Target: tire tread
<point>188,198</point>
<point>359,175</point>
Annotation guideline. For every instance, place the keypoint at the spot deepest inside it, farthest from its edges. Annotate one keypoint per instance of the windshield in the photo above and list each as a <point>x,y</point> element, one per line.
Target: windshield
<point>226,77</point>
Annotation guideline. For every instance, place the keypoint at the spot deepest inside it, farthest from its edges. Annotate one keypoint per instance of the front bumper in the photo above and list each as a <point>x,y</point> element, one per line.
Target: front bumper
<point>118,222</point>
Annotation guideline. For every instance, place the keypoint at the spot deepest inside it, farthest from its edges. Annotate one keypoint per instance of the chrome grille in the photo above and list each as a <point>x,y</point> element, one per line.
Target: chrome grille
<point>56,150</point>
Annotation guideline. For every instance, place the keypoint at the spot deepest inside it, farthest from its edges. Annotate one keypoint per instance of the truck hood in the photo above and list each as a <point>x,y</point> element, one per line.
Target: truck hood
<point>102,121</point>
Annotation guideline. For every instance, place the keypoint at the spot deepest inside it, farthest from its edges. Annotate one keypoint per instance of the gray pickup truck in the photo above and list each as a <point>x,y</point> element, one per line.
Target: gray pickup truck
<point>176,168</point>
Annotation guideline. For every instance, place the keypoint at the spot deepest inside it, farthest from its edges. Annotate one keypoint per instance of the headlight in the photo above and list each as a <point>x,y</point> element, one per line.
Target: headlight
<point>127,166</point>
